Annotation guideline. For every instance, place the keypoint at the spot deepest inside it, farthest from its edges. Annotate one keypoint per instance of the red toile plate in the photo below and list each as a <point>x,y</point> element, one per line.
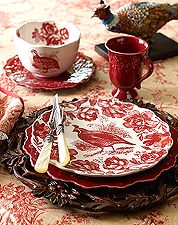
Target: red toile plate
<point>105,137</point>
<point>113,182</point>
<point>81,71</point>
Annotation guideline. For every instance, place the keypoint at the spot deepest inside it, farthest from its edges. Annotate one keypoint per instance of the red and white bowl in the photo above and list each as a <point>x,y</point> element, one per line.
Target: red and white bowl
<point>47,48</point>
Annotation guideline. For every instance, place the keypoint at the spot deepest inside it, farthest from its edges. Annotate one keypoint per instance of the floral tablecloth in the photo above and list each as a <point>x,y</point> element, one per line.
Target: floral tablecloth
<point>17,203</point>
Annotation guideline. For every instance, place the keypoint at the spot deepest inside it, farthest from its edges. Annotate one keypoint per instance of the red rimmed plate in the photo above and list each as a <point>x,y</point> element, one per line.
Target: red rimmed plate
<point>80,72</point>
<point>119,182</point>
<point>106,137</point>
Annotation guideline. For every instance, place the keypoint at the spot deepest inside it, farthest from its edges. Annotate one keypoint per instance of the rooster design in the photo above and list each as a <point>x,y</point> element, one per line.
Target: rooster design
<point>139,19</point>
<point>44,63</point>
<point>100,138</point>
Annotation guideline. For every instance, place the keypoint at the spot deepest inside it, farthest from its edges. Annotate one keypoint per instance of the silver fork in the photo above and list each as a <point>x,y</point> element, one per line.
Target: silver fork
<point>41,165</point>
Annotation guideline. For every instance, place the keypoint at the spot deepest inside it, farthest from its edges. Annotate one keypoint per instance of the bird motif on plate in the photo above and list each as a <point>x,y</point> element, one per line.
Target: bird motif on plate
<point>139,19</point>
<point>100,139</point>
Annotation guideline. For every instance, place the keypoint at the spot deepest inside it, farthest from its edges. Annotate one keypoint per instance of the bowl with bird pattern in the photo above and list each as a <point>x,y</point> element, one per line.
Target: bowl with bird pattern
<point>47,48</point>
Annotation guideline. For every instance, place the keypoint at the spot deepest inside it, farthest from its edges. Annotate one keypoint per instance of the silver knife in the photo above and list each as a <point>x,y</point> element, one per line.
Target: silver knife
<point>64,156</point>
<point>41,165</point>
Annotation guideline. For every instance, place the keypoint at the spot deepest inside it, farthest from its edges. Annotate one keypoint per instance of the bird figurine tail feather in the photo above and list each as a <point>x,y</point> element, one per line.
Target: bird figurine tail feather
<point>140,19</point>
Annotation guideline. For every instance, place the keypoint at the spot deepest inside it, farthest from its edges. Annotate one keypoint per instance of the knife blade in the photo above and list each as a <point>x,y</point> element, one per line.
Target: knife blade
<point>64,156</point>
<point>41,165</point>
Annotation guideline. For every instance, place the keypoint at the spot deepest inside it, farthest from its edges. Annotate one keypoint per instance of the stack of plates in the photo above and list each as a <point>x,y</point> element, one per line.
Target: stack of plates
<point>112,144</point>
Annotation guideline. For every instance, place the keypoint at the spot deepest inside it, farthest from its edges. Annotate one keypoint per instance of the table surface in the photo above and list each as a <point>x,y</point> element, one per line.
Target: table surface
<point>17,203</point>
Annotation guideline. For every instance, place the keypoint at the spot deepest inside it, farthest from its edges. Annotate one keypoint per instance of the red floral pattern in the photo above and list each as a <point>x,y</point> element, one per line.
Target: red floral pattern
<point>153,218</point>
<point>17,206</point>
<point>16,202</point>
<point>50,35</point>
<point>157,139</point>
<point>87,113</point>
<point>40,130</point>
<point>140,121</point>
<point>114,109</point>
<point>152,156</point>
<point>115,163</point>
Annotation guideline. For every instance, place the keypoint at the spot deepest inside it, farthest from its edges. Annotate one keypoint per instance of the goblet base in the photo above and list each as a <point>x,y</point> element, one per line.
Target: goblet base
<point>124,94</point>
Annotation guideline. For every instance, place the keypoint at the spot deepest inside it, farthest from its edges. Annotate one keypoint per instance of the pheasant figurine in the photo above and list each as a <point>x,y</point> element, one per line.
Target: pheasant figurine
<point>138,19</point>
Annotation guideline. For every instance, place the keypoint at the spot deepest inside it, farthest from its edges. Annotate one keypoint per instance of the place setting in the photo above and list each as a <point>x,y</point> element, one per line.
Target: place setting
<point>89,149</point>
<point>103,152</point>
<point>95,154</point>
<point>105,142</point>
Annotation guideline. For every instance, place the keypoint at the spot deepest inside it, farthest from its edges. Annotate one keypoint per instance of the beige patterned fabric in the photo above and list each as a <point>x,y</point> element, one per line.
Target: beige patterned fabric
<point>12,107</point>
<point>18,206</point>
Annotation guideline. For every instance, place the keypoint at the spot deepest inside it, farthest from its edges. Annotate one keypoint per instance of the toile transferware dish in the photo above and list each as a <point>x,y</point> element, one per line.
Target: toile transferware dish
<point>81,71</point>
<point>47,48</point>
<point>106,137</point>
<point>108,182</point>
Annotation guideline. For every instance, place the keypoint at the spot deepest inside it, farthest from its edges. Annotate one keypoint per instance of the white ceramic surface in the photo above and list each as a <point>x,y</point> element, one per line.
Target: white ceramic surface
<point>47,48</point>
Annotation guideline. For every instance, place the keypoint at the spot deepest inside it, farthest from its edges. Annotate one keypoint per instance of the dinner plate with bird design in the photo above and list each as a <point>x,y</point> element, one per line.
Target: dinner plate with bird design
<point>105,137</point>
